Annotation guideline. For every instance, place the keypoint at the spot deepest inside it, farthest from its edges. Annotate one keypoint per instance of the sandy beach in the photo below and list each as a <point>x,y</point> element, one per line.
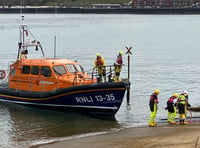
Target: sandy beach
<point>163,135</point>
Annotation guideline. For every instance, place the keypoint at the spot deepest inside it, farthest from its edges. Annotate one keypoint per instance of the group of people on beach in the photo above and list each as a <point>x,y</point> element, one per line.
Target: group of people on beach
<point>175,102</point>
<point>100,66</point>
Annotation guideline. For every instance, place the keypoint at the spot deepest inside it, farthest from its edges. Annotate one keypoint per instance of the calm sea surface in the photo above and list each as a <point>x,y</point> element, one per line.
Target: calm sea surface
<point>166,55</point>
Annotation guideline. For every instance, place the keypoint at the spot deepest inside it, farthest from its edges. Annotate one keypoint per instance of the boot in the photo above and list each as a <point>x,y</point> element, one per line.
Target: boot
<point>172,122</point>
<point>117,79</point>
<point>151,124</point>
<point>104,79</point>
<point>182,122</point>
<point>185,122</point>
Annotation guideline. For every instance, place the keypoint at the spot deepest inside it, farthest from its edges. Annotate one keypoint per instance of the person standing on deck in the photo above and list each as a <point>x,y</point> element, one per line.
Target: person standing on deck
<point>23,55</point>
<point>118,66</point>
<point>153,104</point>
<point>100,67</point>
<point>171,107</point>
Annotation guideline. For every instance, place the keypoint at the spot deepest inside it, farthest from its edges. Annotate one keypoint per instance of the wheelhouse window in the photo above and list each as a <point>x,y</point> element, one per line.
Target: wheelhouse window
<point>35,70</point>
<point>13,71</point>
<point>26,69</point>
<point>71,68</point>
<point>59,69</point>
<point>79,68</point>
<point>46,71</point>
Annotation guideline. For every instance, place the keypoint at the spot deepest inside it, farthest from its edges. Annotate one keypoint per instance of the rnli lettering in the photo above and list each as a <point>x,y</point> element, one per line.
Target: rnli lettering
<point>97,98</point>
<point>84,99</point>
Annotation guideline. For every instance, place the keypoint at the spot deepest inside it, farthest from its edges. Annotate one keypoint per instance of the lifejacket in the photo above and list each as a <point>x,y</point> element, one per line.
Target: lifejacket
<point>119,60</point>
<point>171,100</point>
<point>170,104</point>
<point>182,99</point>
<point>153,97</point>
<point>99,62</point>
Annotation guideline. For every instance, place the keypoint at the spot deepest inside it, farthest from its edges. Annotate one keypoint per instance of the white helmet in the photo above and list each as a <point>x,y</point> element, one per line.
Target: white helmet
<point>185,91</point>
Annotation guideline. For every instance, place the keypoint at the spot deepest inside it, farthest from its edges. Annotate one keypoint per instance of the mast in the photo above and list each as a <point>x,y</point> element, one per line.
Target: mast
<point>24,43</point>
<point>22,29</point>
<point>21,40</point>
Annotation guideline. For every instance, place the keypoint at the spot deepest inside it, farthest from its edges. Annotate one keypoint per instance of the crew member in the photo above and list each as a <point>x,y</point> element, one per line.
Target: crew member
<point>182,104</point>
<point>100,67</point>
<point>118,66</point>
<point>171,107</point>
<point>23,55</point>
<point>153,107</point>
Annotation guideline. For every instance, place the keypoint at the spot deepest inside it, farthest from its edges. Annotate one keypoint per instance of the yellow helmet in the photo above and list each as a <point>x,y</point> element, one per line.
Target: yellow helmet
<point>156,91</point>
<point>97,54</point>
<point>121,52</point>
<point>175,95</point>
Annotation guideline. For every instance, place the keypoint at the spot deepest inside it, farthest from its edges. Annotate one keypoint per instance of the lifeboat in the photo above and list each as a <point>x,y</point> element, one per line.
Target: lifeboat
<point>57,84</point>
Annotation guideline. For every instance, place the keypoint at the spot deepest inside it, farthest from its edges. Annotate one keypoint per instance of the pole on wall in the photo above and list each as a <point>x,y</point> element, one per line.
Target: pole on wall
<point>128,86</point>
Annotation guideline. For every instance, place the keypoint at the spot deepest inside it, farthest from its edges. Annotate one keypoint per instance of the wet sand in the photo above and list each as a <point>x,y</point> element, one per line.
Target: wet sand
<point>163,135</point>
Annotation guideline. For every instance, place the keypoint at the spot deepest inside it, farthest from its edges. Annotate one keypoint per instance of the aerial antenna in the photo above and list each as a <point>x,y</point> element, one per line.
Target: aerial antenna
<point>22,16</point>
<point>54,47</point>
<point>21,7</point>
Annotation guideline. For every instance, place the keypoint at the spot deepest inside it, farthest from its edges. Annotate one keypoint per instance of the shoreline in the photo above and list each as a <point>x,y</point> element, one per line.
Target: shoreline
<point>83,10</point>
<point>163,135</point>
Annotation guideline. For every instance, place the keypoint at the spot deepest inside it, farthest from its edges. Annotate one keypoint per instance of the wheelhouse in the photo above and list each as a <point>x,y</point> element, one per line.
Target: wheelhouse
<point>47,74</point>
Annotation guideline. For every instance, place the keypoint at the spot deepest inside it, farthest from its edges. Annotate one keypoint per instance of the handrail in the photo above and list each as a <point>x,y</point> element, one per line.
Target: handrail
<point>109,72</point>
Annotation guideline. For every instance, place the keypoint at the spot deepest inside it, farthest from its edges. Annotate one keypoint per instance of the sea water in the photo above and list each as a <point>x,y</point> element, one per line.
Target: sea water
<point>165,55</point>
